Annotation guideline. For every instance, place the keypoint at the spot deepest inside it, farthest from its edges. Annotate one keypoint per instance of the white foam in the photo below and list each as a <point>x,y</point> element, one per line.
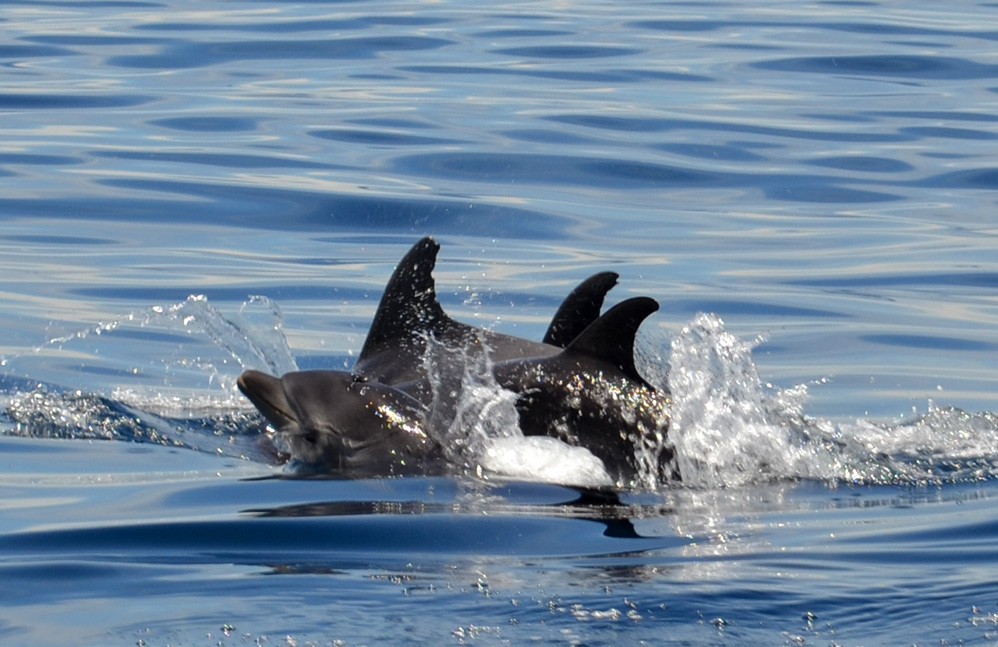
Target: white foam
<point>543,459</point>
<point>484,432</point>
<point>727,427</point>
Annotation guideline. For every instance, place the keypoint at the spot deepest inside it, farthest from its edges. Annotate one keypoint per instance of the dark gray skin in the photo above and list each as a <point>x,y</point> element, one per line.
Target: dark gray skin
<point>591,395</point>
<point>411,330</point>
<point>409,315</point>
<point>580,385</point>
<point>579,309</point>
<point>344,423</point>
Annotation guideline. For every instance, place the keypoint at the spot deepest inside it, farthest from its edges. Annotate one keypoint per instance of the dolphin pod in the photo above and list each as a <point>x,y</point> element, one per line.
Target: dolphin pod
<point>390,414</point>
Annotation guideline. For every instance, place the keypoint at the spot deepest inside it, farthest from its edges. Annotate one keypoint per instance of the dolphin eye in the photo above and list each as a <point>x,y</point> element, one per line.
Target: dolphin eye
<point>360,379</point>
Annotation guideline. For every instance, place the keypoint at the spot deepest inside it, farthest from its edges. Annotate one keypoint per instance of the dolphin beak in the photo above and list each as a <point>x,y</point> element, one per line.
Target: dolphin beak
<point>267,394</point>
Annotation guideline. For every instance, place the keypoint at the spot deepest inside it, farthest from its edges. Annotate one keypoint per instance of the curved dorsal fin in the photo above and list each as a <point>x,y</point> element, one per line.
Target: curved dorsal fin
<point>409,304</point>
<point>611,337</point>
<point>579,309</point>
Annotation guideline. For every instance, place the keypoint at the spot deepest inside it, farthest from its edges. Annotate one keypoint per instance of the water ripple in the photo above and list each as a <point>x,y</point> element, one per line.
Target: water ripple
<point>222,160</point>
<point>207,124</point>
<point>52,101</point>
<point>896,65</point>
<point>21,52</point>
<point>244,206</point>
<point>590,76</point>
<point>659,124</point>
<point>567,51</point>
<point>553,169</point>
<point>191,54</point>
<point>288,26</point>
<point>864,164</point>
<point>382,138</point>
<point>623,173</point>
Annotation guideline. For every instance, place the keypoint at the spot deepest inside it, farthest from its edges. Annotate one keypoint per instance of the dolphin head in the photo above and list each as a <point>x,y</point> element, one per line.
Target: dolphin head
<point>342,422</point>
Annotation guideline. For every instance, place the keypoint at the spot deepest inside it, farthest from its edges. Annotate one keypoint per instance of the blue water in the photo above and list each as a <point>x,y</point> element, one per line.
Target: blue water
<point>820,176</point>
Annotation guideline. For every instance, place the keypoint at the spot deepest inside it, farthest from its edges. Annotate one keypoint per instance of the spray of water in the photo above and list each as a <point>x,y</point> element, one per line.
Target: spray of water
<point>217,421</point>
<point>480,425</point>
<point>728,427</point>
<point>731,429</point>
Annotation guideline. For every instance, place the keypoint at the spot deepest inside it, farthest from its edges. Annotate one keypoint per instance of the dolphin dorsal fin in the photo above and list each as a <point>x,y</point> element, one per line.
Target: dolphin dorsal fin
<point>579,309</point>
<point>409,304</point>
<point>611,337</point>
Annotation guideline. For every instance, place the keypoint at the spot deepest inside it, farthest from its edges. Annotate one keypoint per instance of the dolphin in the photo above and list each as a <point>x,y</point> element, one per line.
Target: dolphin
<point>409,317</point>
<point>343,423</point>
<point>340,420</point>
<point>579,309</point>
<point>389,414</point>
<point>591,395</point>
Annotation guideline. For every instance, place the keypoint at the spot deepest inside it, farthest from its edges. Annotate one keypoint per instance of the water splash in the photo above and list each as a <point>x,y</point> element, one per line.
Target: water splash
<point>481,423</point>
<point>175,409</point>
<point>41,413</point>
<point>465,399</point>
<point>729,428</point>
<point>543,459</point>
<point>252,345</point>
<point>945,444</point>
<point>185,346</point>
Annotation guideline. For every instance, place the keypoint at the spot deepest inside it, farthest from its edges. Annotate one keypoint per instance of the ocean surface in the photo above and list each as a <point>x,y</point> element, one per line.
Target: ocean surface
<point>809,189</point>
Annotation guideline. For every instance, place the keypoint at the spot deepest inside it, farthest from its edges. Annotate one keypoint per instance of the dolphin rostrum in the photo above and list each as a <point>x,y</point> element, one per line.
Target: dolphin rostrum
<point>341,422</point>
<point>389,415</point>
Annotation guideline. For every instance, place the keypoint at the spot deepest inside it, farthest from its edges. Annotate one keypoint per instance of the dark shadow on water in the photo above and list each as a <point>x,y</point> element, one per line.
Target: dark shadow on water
<point>602,506</point>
